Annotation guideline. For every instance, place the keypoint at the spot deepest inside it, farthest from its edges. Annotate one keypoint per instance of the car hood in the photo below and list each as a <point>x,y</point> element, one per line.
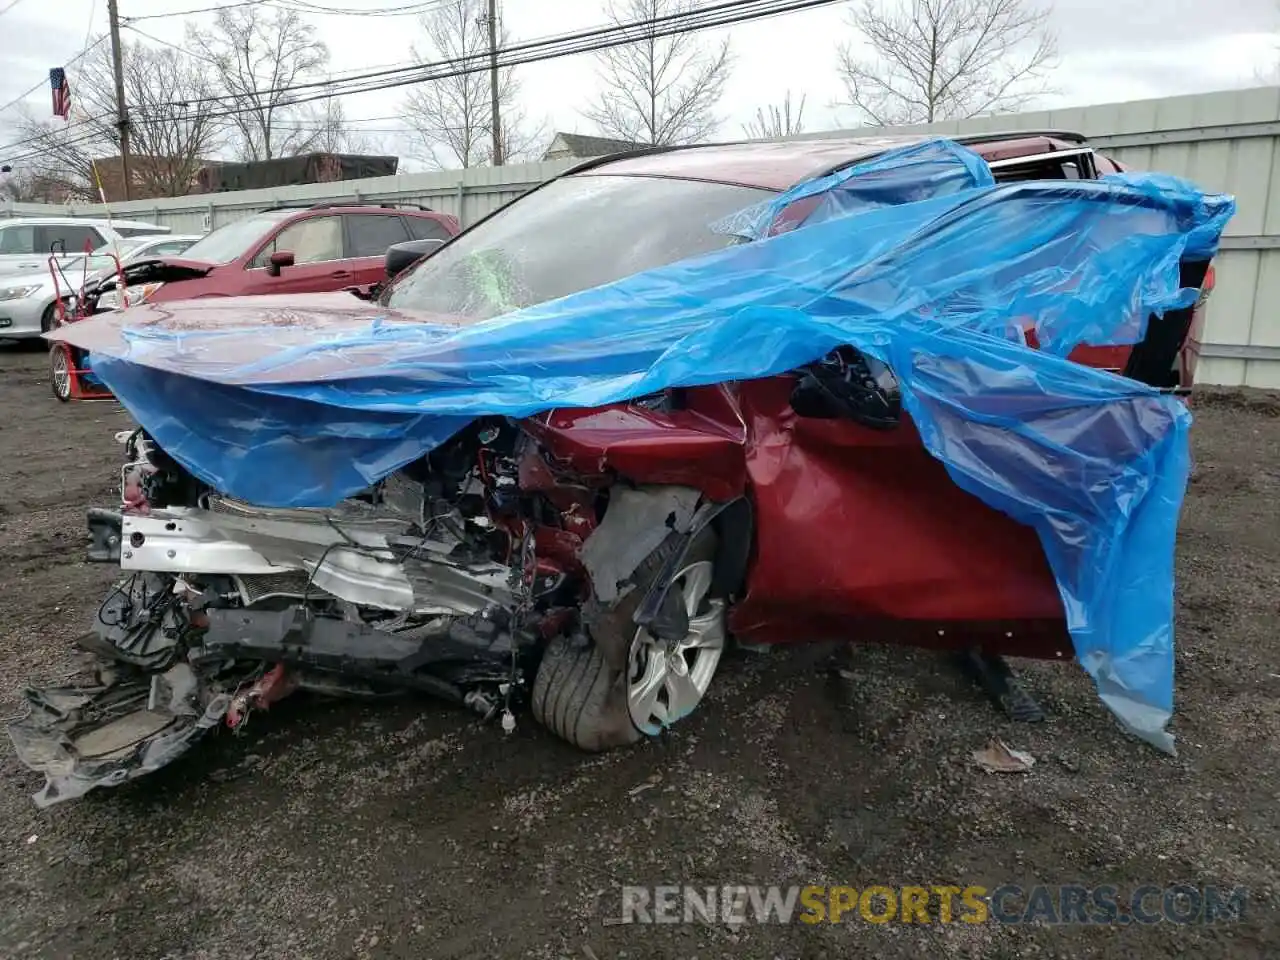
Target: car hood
<point>165,270</point>
<point>297,320</point>
<point>150,270</point>
<point>28,278</point>
<point>13,271</point>
<point>26,262</point>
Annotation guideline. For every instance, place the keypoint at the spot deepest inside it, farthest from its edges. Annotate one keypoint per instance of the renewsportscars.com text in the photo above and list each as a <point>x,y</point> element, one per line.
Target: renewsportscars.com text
<point>938,903</point>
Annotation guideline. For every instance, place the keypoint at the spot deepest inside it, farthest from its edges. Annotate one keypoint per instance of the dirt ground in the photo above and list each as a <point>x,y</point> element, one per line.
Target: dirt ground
<point>404,829</point>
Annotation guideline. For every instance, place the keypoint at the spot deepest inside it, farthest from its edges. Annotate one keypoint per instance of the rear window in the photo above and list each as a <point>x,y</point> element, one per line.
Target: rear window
<point>170,248</point>
<point>141,231</point>
<point>427,228</point>
<point>71,238</point>
<point>19,238</point>
<point>369,234</point>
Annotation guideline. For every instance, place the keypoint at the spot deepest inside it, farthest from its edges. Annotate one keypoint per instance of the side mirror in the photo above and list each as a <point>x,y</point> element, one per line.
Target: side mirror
<point>845,385</point>
<point>279,260</point>
<point>401,256</point>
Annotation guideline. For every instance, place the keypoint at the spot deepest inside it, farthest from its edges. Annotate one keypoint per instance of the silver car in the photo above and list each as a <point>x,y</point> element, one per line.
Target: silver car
<point>28,298</point>
<point>26,243</point>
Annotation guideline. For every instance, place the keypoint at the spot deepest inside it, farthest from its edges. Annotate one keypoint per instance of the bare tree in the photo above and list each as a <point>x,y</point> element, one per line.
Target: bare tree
<point>333,133</point>
<point>256,56</point>
<point>1268,72</point>
<point>946,59</point>
<point>172,132</point>
<point>21,186</point>
<point>453,116</point>
<point>776,121</point>
<point>659,90</point>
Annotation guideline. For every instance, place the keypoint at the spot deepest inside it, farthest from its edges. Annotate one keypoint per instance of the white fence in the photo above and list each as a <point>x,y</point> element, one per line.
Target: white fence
<point>1223,141</point>
<point>467,194</point>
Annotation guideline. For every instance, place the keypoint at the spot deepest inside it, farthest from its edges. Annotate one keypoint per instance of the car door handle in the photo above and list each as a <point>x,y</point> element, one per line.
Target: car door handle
<point>341,274</point>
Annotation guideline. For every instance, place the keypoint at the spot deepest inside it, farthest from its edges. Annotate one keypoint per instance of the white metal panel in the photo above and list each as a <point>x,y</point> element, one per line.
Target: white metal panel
<point>1229,316</point>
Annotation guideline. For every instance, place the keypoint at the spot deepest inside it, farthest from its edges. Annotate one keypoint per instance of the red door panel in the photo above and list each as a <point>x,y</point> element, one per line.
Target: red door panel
<point>859,525</point>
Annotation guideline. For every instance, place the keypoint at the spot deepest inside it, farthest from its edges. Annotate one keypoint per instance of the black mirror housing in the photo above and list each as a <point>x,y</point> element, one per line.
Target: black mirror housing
<point>401,256</point>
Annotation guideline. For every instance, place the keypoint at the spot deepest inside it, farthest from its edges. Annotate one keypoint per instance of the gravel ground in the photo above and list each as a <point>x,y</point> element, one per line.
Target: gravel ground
<point>403,829</point>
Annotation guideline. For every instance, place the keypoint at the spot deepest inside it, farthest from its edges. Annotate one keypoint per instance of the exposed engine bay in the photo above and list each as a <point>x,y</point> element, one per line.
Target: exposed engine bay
<point>449,577</point>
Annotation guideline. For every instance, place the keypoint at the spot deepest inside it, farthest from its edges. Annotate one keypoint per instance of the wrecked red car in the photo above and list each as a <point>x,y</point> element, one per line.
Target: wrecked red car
<point>592,563</point>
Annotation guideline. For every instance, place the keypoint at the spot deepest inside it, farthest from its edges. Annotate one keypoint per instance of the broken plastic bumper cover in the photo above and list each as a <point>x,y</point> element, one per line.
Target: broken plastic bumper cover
<point>152,721</point>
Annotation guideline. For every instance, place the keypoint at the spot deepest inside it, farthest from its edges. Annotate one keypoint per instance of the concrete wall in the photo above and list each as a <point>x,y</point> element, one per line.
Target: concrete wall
<point>1224,141</point>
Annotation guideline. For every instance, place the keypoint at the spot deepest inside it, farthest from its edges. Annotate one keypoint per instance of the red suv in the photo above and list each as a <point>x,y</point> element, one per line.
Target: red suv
<point>325,247</point>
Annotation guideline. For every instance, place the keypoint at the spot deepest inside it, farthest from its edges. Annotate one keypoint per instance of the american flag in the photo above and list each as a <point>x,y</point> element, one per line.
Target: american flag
<point>61,93</point>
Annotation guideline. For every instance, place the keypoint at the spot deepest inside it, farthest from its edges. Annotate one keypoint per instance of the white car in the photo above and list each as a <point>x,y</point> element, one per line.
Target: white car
<point>28,297</point>
<point>27,242</point>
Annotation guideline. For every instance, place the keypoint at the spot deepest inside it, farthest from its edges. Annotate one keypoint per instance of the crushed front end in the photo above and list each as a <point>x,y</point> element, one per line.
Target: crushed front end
<point>448,577</point>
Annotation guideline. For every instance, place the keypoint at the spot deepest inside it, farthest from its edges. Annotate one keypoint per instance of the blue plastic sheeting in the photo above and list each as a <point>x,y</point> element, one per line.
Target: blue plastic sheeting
<point>87,375</point>
<point>932,168</point>
<point>940,289</point>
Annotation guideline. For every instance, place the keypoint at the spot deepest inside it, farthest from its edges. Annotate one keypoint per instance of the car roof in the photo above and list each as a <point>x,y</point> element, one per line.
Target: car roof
<point>780,164</point>
<point>91,221</point>
<point>331,208</point>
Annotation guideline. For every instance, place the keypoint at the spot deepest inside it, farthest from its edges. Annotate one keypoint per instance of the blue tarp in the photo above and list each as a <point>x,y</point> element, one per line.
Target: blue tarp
<point>937,286</point>
<point>931,168</point>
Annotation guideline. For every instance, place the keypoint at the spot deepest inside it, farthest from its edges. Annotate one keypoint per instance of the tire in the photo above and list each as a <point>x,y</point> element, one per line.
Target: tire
<point>46,319</point>
<point>580,692</point>
<point>60,373</point>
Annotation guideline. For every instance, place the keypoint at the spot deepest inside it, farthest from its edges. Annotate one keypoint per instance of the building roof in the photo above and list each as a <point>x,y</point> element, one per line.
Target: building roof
<point>579,145</point>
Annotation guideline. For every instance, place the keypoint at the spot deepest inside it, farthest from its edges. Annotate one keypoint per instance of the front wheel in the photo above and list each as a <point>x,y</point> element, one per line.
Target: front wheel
<point>60,372</point>
<point>49,319</point>
<point>578,695</point>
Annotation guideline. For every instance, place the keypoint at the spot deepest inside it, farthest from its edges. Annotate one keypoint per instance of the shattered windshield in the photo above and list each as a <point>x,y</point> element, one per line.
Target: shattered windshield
<point>574,233</point>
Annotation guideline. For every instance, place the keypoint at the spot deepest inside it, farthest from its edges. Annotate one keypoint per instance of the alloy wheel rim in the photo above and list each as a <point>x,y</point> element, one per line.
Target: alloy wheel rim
<point>666,681</point>
<point>61,375</point>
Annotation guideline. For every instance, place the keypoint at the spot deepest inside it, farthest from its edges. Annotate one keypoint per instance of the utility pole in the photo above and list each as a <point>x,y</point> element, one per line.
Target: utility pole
<point>493,82</point>
<point>122,109</point>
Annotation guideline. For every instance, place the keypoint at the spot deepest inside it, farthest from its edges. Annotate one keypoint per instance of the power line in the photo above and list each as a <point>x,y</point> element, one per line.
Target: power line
<point>298,6</point>
<point>41,83</point>
<point>407,10</point>
<point>712,16</point>
<point>6,9</point>
<point>84,51</point>
<point>616,33</point>
<point>716,15</point>
<point>334,76</point>
<point>128,25</point>
<point>724,13</point>
<point>570,45</point>
<point>189,13</point>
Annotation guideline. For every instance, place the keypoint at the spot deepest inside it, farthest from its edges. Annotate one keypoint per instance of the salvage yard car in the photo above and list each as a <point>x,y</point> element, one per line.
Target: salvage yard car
<point>26,243</point>
<point>567,456</point>
<point>28,298</point>
<point>289,249</point>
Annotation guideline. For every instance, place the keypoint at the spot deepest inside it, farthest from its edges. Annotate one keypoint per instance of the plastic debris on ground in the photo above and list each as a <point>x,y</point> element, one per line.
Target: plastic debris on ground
<point>998,757</point>
<point>941,287</point>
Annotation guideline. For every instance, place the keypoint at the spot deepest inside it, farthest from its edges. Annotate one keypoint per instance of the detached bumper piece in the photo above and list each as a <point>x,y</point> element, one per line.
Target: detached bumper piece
<point>119,726</point>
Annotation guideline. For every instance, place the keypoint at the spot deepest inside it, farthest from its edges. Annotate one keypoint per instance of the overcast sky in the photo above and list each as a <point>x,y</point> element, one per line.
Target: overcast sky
<point>1111,50</point>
